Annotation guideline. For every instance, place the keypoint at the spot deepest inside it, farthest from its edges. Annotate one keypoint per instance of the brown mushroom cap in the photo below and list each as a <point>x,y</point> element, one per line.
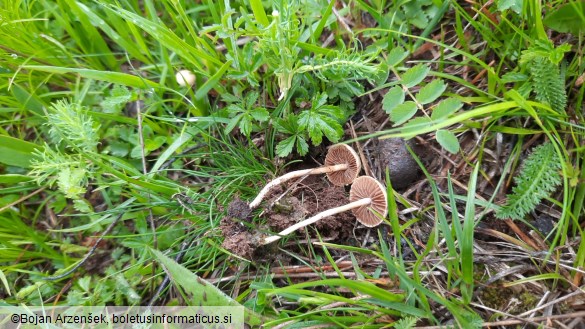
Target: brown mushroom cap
<point>367,187</point>
<point>343,154</point>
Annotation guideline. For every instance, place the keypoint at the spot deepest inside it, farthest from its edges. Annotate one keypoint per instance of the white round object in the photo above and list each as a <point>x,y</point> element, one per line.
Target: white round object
<point>185,78</point>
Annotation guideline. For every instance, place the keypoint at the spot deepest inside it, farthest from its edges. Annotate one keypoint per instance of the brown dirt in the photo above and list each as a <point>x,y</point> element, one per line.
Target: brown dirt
<point>239,209</point>
<point>315,195</point>
<point>237,238</point>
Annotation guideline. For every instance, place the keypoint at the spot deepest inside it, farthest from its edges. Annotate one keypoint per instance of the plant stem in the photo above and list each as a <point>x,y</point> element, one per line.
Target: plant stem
<point>294,174</point>
<point>321,215</point>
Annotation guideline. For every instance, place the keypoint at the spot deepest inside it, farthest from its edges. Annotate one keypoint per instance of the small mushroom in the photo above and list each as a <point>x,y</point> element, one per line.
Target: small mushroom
<point>342,166</point>
<point>368,203</point>
<point>185,78</point>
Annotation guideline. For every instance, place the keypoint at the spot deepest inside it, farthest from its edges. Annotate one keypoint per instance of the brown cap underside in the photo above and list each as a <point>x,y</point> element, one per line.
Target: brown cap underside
<point>343,154</point>
<point>368,187</point>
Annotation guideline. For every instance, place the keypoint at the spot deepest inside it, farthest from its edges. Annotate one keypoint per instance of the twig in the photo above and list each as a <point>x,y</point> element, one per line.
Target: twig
<point>86,257</point>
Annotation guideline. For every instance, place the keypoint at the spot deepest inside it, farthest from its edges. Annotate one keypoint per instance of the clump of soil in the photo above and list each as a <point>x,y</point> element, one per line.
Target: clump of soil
<point>394,155</point>
<point>237,239</point>
<point>239,209</point>
<point>285,213</point>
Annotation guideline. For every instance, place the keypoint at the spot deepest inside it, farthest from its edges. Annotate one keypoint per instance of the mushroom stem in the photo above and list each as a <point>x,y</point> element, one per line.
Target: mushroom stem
<point>319,216</point>
<point>294,174</point>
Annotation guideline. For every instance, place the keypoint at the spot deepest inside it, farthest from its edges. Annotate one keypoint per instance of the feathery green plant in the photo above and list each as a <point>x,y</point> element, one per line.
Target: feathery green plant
<point>74,130</point>
<point>539,177</point>
<point>542,63</point>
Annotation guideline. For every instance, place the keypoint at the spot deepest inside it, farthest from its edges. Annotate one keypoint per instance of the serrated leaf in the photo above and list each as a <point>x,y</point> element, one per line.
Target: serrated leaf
<point>232,124</point>
<point>260,114</point>
<point>396,56</point>
<point>245,125</point>
<point>302,146</point>
<point>403,112</point>
<point>415,75</point>
<point>538,178</point>
<point>448,140</point>
<point>445,108</point>
<point>393,98</point>
<point>285,147</point>
<point>431,91</point>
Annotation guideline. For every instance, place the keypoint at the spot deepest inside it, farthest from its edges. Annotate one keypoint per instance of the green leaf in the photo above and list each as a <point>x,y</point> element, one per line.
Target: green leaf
<point>232,124</point>
<point>448,140</point>
<point>445,108</point>
<point>211,82</point>
<point>403,112</point>
<point>119,96</point>
<point>538,178</point>
<point>202,292</point>
<point>515,5</point>
<point>16,152</point>
<point>109,76</point>
<point>396,56</point>
<point>567,18</point>
<point>415,75</point>
<point>393,98</point>
<point>431,91</point>
<point>245,125</point>
<point>302,145</point>
<point>259,13</point>
<point>286,146</point>
<point>260,114</point>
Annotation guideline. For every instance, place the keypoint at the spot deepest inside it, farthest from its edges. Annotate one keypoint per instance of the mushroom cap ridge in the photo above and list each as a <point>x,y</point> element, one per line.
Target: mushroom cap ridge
<point>343,154</point>
<point>368,187</point>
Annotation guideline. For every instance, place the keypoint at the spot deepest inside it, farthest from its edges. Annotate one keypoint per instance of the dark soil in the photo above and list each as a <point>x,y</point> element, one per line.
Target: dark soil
<point>238,239</point>
<point>239,209</point>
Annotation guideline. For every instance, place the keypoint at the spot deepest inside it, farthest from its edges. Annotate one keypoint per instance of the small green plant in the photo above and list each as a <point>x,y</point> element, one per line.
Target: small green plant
<point>74,133</point>
<point>539,177</point>
<point>402,111</point>
<point>244,112</point>
<point>540,73</point>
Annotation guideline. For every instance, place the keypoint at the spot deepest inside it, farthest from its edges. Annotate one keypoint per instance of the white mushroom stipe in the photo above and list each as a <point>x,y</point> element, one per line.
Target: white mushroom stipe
<point>316,218</point>
<point>185,78</point>
<point>293,174</point>
<point>369,206</point>
<point>342,166</point>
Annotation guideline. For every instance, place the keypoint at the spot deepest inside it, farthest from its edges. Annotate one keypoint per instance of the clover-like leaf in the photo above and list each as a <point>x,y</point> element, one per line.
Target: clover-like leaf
<point>403,112</point>
<point>448,140</point>
<point>414,75</point>
<point>393,98</point>
<point>445,108</point>
<point>431,91</point>
<point>396,56</point>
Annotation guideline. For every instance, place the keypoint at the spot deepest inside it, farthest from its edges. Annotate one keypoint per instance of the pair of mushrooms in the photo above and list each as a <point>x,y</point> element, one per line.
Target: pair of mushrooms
<point>368,200</point>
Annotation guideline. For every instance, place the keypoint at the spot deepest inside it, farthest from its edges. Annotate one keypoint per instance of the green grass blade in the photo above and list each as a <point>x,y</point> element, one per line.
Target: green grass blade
<point>259,13</point>
<point>109,76</point>
<point>202,292</point>
<point>16,152</point>
<point>206,87</point>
